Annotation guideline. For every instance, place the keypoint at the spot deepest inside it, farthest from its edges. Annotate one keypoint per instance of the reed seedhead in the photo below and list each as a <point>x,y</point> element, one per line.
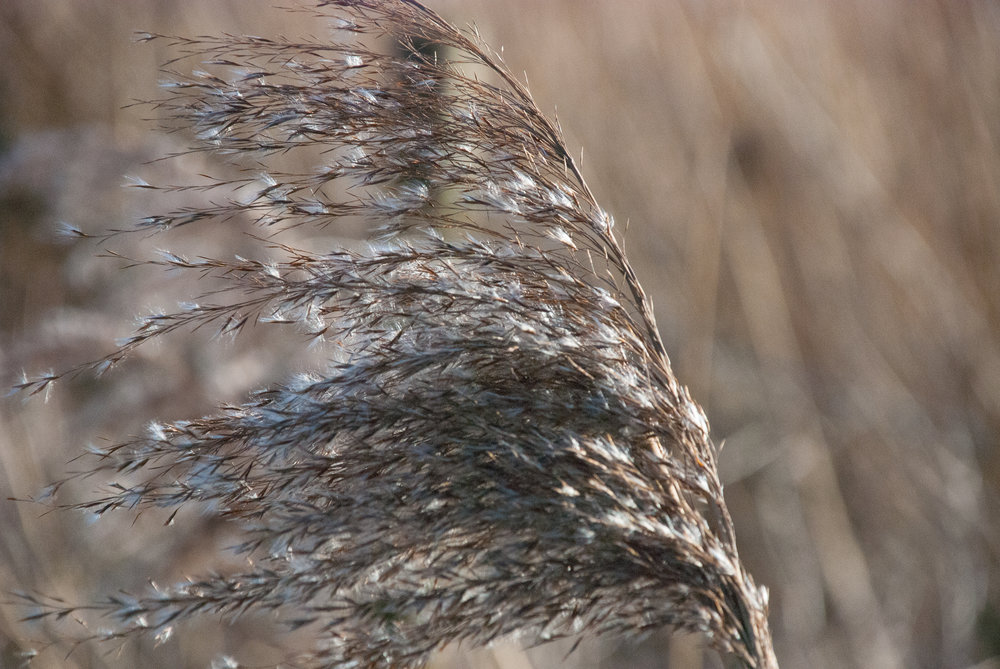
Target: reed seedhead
<point>498,445</point>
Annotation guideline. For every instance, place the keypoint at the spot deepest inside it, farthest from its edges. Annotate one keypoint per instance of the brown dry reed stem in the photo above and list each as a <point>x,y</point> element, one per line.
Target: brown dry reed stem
<point>498,446</point>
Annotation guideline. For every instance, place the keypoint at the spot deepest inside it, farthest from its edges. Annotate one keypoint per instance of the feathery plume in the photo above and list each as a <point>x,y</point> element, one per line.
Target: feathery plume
<point>498,445</point>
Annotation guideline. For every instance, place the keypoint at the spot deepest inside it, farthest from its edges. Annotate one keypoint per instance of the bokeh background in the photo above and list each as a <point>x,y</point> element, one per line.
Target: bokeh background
<point>812,198</point>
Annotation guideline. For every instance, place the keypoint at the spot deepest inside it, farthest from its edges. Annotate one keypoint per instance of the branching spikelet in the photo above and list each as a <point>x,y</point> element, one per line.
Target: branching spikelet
<point>501,447</point>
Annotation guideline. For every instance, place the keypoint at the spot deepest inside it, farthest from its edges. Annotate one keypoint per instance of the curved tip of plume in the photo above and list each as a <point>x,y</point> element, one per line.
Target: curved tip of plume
<point>499,446</point>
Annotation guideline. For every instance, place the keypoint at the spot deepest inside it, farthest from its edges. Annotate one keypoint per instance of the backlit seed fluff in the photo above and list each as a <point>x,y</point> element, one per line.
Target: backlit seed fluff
<point>498,445</point>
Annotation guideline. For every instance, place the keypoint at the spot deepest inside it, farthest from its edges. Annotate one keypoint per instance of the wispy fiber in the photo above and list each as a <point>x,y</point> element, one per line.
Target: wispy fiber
<point>498,445</point>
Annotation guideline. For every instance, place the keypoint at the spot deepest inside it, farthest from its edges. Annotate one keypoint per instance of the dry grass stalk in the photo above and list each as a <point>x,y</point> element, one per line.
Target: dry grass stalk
<point>501,447</point>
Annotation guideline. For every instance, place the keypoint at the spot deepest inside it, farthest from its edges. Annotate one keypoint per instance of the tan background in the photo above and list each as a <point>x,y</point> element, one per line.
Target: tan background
<point>813,198</point>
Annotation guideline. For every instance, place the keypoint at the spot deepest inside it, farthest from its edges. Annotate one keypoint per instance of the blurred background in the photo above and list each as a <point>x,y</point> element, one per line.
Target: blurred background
<point>812,198</point>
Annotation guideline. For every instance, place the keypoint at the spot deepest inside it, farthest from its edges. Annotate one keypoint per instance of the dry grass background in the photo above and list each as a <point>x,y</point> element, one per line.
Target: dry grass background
<point>814,197</point>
